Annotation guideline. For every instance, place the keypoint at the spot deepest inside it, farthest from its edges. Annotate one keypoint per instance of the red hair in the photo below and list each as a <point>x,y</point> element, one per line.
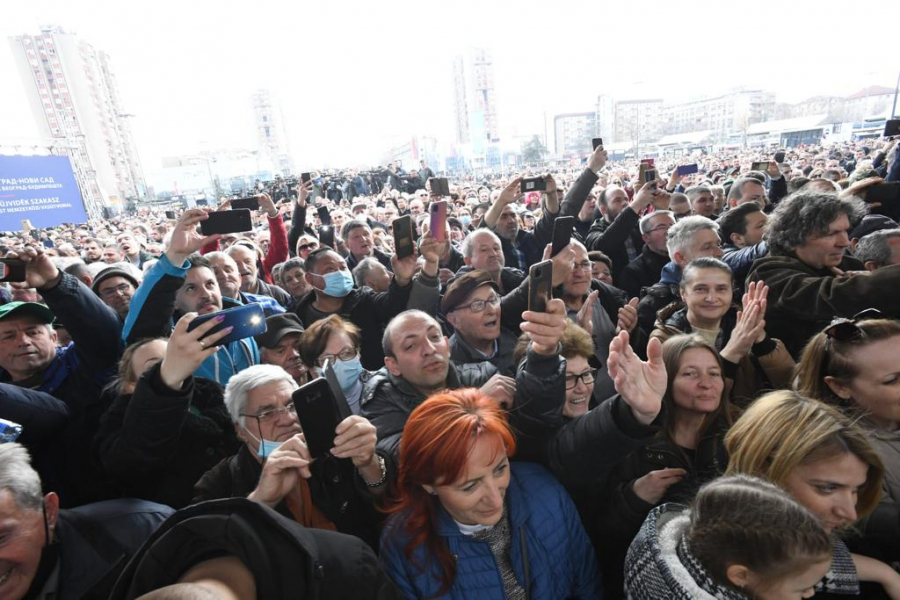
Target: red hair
<point>437,441</point>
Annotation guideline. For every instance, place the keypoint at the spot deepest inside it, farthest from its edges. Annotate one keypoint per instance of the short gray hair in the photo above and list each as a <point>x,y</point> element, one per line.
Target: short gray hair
<point>240,386</point>
<point>737,188</point>
<point>387,344</point>
<point>467,244</point>
<point>682,233</point>
<point>362,270</point>
<point>694,191</point>
<point>19,478</point>
<point>875,247</point>
<point>805,214</point>
<point>644,223</point>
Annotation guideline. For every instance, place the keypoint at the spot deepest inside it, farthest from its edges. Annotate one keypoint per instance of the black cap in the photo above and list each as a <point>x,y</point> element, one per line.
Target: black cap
<point>871,224</point>
<point>112,272</point>
<point>278,326</point>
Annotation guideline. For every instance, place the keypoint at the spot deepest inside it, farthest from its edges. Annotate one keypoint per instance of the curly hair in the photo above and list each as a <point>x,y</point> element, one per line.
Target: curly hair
<point>807,214</point>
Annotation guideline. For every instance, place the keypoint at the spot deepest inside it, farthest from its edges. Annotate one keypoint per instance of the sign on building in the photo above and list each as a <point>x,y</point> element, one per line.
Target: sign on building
<point>41,189</point>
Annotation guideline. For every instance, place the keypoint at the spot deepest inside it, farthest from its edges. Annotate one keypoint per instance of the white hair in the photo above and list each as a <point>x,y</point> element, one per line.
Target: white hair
<point>466,248</point>
<point>19,478</point>
<point>681,234</point>
<point>240,386</point>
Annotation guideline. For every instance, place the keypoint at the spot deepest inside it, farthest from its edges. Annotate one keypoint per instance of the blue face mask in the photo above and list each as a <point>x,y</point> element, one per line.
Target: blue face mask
<point>347,373</point>
<point>466,220</point>
<point>266,447</point>
<point>338,283</point>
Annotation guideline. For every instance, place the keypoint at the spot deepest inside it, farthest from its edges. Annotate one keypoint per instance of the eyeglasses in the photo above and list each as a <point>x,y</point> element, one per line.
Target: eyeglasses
<point>587,378</point>
<point>273,414</point>
<point>479,305</point>
<point>346,353</point>
<point>309,246</point>
<point>584,266</point>
<point>122,288</point>
<point>664,226</point>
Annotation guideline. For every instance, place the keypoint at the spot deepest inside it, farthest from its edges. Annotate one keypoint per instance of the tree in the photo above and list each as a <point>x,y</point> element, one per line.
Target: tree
<point>533,151</point>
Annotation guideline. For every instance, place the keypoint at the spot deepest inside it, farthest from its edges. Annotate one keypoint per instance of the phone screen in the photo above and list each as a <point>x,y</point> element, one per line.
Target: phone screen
<point>227,221</point>
<point>403,242</point>
<point>250,203</point>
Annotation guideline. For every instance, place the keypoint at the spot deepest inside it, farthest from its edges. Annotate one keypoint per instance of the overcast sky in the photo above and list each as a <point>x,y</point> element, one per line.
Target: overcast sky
<point>355,78</point>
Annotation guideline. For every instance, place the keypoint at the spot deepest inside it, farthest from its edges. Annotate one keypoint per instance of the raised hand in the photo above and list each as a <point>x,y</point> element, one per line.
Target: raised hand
<point>511,193</point>
<point>750,329</point>
<point>501,389</point>
<point>40,272</point>
<point>282,471</point>
<point>186,351</point>
<point>641,384</point>
<point>186,239</point>
<point>546,328</point>
<point>585,317</point>
<point>628,316</point>
<point>651,488</point>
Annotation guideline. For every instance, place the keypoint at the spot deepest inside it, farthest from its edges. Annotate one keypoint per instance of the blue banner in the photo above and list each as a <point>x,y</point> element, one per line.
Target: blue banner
<point>41,189</point>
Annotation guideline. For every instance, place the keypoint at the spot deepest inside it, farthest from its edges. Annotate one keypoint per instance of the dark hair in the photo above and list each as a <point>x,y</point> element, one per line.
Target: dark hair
<point>875,247</point>
<point>598,256</point>
<point>315,338</point>
<point>737,188</point>
<point>351,225</point>
<point>805,214</point>
<point>735,220</point>
<point>313,257</point>
<point>796,184</point>
<point>743,520</point>
<point>198,260</point>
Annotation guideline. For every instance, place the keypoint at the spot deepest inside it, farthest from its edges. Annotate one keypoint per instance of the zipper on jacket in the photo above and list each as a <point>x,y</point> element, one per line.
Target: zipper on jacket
<point>524,546</point>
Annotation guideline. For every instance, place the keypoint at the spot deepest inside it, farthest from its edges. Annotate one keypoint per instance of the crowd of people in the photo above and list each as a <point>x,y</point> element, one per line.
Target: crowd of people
<point>706,404</point>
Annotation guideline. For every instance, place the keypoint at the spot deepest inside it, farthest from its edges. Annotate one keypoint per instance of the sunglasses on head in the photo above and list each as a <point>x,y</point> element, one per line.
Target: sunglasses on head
<point>846,330</point>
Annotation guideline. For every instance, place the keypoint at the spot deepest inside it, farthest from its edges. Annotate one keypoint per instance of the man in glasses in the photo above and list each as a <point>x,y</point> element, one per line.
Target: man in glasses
<point>646,269</point>
<point>811,280</point>
<point>472,307</point>
<point>115,286</point>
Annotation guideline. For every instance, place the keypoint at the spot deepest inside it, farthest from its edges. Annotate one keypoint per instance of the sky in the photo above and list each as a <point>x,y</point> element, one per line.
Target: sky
<point>356,78</point>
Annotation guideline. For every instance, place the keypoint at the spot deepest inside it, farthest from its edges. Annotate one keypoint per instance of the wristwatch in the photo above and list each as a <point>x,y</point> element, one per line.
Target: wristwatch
<point>381,480</point>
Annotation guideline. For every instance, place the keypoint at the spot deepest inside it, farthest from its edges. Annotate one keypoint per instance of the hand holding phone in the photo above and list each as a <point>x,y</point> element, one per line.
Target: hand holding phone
<point>540,284</point>
<point>246,321</point>
<point>319,416</point>
<point>403,237</point>
<point>227,221</point>
<point>760,165</point>
<point>438,224</point>
<point>12,270</point>
<point>533,184</point>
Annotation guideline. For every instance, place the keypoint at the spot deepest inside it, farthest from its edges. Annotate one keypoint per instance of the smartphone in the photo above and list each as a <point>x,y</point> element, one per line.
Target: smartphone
<point>440,186</point>
<point>562,233</point>
<point>12,269</point>
<point>883,192</point>
<point>596,142</point>
<point>650,162</point>
<point>688,169</point>
<point>227,221</point>
<point>438,226</point>
<point>649,175</point>
<point>248,320</point>
<point>324,215</point>
<point>760,165</point>
<point>403,237</point>
<point>318,414</point>
<point>170,214</point>
<point>534,184</point>
<point>326,236</point>
<point>305,177</point>
<point>540,282</point>
<point>892,128</point>
<point>779,156</point>
<point>250,203</point>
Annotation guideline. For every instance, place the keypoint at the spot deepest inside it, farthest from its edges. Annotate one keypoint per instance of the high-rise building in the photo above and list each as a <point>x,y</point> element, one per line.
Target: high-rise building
<point>605,111</point>
<point>273,142</point>
<point>732,112</point>
<point>573,133</point>
<point>638,121</point>
<point>475,99</point>
<point>74,96</point>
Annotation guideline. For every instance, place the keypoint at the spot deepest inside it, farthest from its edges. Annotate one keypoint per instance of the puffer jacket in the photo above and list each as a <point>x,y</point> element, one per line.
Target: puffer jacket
<point>769,365</point>
<point>550,552</point>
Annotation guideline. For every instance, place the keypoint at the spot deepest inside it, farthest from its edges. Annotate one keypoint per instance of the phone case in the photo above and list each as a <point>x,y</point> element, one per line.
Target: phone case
<point>438,223</point>
<point>403,242</point>
<point>248,320</point>
<point>227,221</point>
<point>318,414</point>
<point>562,233</point>
<point>540,280</point>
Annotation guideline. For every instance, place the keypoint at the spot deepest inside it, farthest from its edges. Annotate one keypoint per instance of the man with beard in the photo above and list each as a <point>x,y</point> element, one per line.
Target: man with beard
<point>248,269</point>
<point>521,249</point>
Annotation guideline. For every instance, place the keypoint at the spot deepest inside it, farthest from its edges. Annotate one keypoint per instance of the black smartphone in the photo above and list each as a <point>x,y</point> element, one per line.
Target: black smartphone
<point>688,169</point>
<point>779,156</point>
<point>403,237</point>
<point>12,269</point>
<point>305,177</point>
<point>883,192</point>
<point>227,221</point>
<point>892,128</point>
<point>440,186</point>
<point>649,175</point>
<point>170,214</point>
<point>248,320</point>
<point>250,203</point>
<point>534,184</point>
<point>318,414</point>
<point>596,142</point>
<point>324,215</point>
<point>760,165</point>
<point>540,282</point>
<point>326,236</point>
<point>562,233</point>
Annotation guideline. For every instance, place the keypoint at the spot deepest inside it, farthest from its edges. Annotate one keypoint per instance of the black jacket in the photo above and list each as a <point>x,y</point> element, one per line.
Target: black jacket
<point>642,272</point>
<point>610,239</point>
<point>574,201</point>
<point>387,401</point>
<point>369,310</point>
<point>461,353</point>
<point>530,243</point>
<point>656,297</point>
<point>510,278</point>
<point>334,486</point>
<point>157,442</point>
<point>384,259</point>
<point>286,559</point>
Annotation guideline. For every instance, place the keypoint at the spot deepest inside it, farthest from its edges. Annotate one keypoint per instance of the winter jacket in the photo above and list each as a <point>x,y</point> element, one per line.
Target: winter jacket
<point>574,201</point>
<point>803,300</point>
<point>367,309</point>
<point>152,313</point>
<point>510,278</point>
<point>95,542</point>
<point>530,243</point>
<point>610,238</point>
<point>157,442</point>
<point>659,296</point>
<point>384,259</point>
<point>387,401</point>
<point>642,272</point>
<point>881,530</point>
<point>335,488</point>
<point>741,260</point>
<point>76,377</point>
<point>550,552</point>
<point>462,353</point>
<point>273,291</point>
<point>286,559</point>
<point>768,367</point>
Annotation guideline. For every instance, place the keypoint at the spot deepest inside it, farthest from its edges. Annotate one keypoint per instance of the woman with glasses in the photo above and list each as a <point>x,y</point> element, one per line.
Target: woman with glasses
<point>336,340</point>
<point>752,361</point>
<point>854,365</point>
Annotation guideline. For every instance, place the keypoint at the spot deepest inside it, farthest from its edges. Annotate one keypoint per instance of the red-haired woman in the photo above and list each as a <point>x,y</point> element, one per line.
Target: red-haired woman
<point>468,524</point>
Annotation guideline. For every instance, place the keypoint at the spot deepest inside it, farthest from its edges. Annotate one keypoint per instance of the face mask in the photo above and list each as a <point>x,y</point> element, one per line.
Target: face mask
<point>465,220</point>
<point>338,284</point>
<point>266,447</point>
<point>347,373</point>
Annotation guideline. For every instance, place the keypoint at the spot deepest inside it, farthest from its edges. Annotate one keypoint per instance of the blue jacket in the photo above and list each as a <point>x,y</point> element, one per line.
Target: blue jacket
<point>153,309</point>
<point>554,559</point>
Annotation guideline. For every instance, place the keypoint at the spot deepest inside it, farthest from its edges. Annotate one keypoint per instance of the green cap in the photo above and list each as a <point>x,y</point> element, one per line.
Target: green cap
<point>20,309</point>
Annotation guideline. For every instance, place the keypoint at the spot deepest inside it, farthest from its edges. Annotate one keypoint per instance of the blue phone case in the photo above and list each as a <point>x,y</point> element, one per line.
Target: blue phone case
<point>248,320</point>
<point>688,169</point>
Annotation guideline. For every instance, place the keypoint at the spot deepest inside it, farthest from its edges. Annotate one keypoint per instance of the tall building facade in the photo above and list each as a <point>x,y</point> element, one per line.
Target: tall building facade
<point>638,121</point>
<point>270,132</point>
<point>475,98</point>
<point>731,112</point>
<point>573,132</point>
<point>74,96</point>
<point>605,115</point>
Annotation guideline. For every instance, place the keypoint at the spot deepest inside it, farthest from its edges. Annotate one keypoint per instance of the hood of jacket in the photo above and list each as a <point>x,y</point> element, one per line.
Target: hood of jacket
<point>671,273</point>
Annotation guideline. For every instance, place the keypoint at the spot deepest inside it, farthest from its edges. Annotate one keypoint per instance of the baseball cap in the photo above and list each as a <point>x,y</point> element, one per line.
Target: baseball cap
<point>20,309</point>
<point>278,326</point>
<point>460,288</point>
<point>871,224</point>
<point>112,272</point>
